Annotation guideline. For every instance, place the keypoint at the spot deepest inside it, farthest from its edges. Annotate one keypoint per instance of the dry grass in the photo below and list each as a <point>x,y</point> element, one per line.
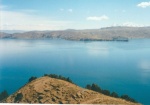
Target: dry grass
<point>54,91</point>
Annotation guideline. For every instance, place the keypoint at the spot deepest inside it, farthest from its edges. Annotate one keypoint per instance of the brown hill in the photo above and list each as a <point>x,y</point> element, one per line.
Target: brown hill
<point>54,91</point>
<point>109,34</point>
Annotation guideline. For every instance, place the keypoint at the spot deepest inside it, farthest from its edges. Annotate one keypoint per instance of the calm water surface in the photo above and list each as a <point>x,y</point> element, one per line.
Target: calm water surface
<point>123,67</point>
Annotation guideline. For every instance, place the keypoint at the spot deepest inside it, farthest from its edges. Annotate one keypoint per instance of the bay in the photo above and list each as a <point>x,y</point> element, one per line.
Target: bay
<point>123,67</point>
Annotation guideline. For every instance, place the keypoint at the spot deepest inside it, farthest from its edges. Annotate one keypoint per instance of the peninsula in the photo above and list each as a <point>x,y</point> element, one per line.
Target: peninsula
<point>103,34</point>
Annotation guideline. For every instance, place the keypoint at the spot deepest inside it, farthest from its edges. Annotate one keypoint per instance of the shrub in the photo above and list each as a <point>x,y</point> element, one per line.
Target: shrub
<point>126,97</point>
<point>88,86</point>
<point>106,92</point>
<point>3,95</point>
<point>114,94</point>
<point>59,77</point>
<point>18,97</point>
<point>69,80</point>
<point>32,78</point>
<point>95,88</point>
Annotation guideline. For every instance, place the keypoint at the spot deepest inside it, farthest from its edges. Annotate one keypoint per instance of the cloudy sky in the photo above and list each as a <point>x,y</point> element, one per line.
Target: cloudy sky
<point>72,14</point>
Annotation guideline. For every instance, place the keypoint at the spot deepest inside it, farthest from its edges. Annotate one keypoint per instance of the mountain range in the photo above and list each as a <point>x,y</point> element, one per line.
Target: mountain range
<point>103,34</point>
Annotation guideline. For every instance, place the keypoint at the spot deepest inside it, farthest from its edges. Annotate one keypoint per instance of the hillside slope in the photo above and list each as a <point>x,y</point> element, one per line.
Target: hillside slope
<point>54,91</point>
<point>108,34</point>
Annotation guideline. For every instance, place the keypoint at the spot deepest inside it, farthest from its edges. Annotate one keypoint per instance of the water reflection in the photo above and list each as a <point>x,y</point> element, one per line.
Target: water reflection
<point>144,66</point>
<point>97,49</point>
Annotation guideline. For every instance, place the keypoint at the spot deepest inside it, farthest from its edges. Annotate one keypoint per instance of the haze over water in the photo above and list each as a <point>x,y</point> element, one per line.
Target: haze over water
<point>123,67</point>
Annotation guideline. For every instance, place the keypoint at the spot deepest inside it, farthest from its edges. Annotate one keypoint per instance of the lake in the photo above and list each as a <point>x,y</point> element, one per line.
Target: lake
<point>123,67</point>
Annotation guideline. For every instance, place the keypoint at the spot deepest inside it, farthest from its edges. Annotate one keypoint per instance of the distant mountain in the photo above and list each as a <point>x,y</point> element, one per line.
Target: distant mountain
<point>12,31</point>
<point>108,34</point>
<point>49,90</point>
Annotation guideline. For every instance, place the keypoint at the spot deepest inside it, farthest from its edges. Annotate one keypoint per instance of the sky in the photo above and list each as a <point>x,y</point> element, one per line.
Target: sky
<point>72,14</point>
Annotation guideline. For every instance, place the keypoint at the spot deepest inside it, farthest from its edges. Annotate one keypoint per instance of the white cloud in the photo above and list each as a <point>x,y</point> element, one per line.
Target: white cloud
<point>3,6</point>
<point>66,10</point>
<point>61,9</point>
<point>120,11</point>
<point>95,18</point>
<point>28,11</point>
<point>70,10</point>
<point>28,20</point>
<point>144,4</point>
<point>123,11</point>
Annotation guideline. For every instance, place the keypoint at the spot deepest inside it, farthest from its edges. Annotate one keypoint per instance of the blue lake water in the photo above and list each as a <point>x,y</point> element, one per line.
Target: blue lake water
<point>123,67</point>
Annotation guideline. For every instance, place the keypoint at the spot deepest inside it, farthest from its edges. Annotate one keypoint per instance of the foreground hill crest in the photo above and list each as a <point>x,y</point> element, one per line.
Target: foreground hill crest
<point>54,91</point>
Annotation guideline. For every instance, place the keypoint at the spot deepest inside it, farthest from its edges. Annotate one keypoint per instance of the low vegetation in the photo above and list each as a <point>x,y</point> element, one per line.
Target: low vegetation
<point>18,97</point>
<point>32,78</point>
<point>93,87</point>
<point>59,77</point>
<point>3,95</point>
<point>126,97</point>
<point>96,88</point>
